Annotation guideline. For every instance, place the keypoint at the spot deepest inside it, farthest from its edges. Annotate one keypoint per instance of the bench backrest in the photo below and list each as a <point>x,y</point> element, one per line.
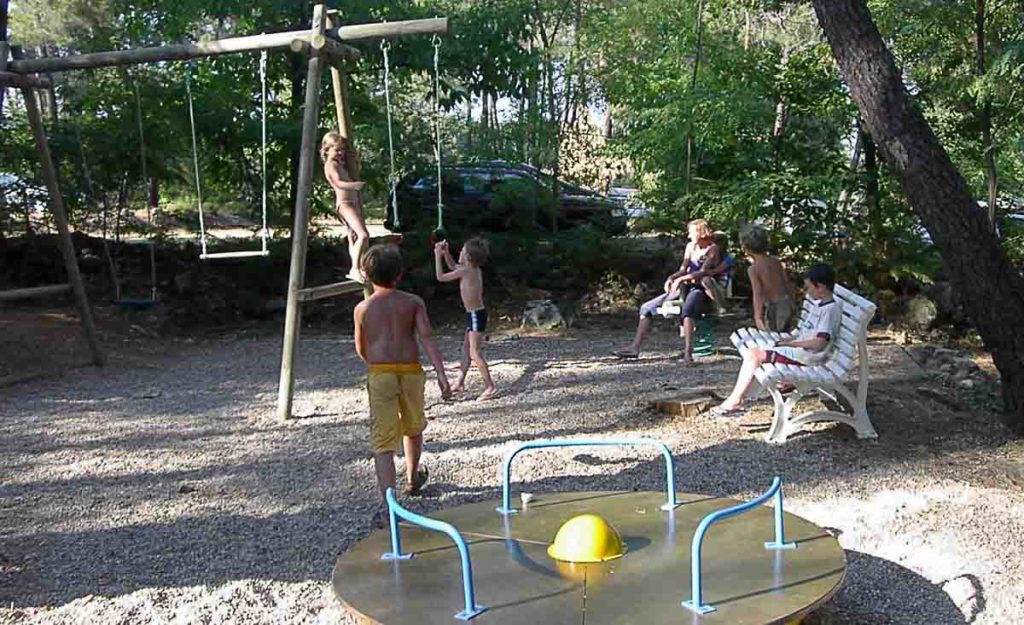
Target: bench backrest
<point>851,343</point>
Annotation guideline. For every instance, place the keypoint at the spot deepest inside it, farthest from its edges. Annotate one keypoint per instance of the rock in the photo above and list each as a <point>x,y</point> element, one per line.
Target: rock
<point>276,305</point>
<point>542,314</point>
<point>185,282</point>
<point>967,384</point>
<point>921,312</point>
<point>964,592</point>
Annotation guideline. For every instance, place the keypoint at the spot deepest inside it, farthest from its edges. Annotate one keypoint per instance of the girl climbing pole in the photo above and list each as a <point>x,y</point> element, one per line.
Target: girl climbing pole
<point>340,164</point>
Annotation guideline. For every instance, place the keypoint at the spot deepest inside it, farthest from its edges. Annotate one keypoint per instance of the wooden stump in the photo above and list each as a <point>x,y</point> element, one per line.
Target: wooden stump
<point>685,404</point>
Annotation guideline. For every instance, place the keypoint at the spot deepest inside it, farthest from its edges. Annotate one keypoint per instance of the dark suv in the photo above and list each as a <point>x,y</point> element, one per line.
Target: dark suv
<point>496,196</point>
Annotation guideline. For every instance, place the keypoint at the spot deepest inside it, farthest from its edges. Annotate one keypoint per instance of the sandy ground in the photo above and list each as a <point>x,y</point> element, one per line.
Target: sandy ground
<point>161,490</point>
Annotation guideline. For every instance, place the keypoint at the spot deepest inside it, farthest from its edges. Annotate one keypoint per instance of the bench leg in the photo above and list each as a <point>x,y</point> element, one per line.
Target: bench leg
<point>859,420</point>
<point>782,420</point>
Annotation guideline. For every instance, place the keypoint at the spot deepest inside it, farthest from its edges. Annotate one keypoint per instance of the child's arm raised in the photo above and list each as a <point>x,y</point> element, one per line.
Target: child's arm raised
<point>430,347</point>
<point>439,272</point>
<point>360,339</point>
<point>448,259</point>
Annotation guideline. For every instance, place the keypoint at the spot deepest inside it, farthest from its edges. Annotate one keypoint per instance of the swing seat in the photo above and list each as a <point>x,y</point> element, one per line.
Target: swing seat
<point>135,304</point>
<point>250,254</point>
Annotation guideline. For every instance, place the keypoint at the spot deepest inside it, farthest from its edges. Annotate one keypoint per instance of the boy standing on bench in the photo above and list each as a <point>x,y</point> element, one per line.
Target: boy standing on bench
<point>810,347</point>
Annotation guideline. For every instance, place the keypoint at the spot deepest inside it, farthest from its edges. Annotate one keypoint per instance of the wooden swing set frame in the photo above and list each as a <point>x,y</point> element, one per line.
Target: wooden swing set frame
<point>325,43</point>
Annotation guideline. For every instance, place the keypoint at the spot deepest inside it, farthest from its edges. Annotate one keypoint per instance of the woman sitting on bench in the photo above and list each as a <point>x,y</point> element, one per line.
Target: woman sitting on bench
<point>701,259</point>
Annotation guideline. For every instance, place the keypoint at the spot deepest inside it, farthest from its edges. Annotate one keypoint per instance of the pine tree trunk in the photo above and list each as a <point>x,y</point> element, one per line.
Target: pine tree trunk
<point>991,287</point>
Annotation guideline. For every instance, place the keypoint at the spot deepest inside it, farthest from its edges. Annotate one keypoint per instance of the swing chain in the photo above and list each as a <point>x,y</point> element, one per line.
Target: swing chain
<point>436,41</point>
<point>385,47</point>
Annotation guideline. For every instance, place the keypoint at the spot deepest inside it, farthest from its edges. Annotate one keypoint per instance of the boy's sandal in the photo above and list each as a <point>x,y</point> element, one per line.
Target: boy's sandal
<point>418,480</point>
<point>626,354</point>
<point>718,411</point>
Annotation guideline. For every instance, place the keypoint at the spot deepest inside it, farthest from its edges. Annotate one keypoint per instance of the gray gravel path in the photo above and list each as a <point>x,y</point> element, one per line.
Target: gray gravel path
<point>168,494</point>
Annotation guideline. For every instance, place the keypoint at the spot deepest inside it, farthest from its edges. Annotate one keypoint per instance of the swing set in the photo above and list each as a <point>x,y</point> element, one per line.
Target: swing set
<point>325,44</point>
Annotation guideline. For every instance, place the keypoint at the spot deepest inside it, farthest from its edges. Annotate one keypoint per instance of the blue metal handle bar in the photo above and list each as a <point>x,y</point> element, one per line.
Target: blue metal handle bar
<point>670,485</point>
<point>695,603</point>
<point>394,511</point>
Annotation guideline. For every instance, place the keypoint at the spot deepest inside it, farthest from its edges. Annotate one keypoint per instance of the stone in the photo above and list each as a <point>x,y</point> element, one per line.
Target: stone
<point>542,314</point>
<point>185,282</point>
<point>921,312</point>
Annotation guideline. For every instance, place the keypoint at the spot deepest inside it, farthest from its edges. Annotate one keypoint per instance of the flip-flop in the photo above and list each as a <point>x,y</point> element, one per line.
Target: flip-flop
<point>625,354</point>
<point>718,411</point>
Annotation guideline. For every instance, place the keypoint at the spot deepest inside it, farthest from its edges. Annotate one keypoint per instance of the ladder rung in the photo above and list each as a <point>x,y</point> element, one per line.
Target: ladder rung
<point>233,255</point>
<point>36,291</point>
<point>329,290</point>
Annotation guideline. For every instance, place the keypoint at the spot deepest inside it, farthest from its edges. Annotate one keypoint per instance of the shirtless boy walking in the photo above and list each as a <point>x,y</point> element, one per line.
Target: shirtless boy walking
<point>471,286</point>
<point>387,325</point>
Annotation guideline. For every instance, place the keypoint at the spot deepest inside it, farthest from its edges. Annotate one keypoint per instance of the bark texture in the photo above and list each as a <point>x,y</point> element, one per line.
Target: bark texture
<point>991,287</point>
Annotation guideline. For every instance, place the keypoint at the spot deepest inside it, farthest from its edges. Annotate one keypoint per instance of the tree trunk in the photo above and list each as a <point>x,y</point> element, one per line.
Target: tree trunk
<point>693,88</point>
<point>988,149</point>
<point>938,193</point>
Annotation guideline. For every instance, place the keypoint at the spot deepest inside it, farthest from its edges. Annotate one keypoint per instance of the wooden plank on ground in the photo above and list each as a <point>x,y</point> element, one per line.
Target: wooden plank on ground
<point>14,295</point>
<point>685,404</point>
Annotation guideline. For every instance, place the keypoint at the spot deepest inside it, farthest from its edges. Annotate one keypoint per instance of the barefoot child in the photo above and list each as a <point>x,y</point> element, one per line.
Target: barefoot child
<point>471,286</point>
<point>340,163</point>
<point>387,326</point>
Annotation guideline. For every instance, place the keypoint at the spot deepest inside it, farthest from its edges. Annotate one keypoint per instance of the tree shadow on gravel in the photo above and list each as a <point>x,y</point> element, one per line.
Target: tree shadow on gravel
<point>878,591</point>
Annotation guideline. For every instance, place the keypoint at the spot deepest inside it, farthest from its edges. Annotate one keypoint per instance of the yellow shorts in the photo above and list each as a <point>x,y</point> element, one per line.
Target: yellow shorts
<point>396,404</point>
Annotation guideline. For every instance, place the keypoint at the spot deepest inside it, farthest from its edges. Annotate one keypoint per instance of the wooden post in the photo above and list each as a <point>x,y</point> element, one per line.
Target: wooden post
<point>339,83</point>
<point>300,231</point>
<point>57,206</point>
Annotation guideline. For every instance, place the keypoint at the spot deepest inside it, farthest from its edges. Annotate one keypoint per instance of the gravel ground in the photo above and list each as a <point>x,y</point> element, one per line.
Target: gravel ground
<point>167,493</point>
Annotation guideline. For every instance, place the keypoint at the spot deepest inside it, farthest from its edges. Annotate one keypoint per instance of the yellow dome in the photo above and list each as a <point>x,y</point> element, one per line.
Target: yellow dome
<point>586,538</point>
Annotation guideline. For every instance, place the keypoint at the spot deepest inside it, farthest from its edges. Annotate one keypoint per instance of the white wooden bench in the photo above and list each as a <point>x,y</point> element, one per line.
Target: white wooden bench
<point>850,345</point>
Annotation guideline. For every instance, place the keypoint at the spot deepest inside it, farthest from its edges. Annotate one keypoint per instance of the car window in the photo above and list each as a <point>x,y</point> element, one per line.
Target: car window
<point>475,183</point>
<point>426,182</point>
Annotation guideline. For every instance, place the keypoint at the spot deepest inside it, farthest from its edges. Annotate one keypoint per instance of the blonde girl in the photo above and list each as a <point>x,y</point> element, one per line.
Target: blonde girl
<point>339,163</point>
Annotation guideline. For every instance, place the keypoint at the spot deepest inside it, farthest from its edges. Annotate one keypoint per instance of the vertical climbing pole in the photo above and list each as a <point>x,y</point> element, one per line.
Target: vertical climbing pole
<point>67,247</point>
<point>300,230</point>
<point>339,86</point>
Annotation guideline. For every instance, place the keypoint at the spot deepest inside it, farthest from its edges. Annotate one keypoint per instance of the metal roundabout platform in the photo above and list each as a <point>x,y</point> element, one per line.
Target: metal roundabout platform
<point>689,559</point>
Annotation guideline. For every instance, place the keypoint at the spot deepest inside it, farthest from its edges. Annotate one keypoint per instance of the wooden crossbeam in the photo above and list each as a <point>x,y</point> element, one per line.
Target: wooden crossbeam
<point>10,79</point>
<point>329,290</point>
<point>176,52</point>
<point>233,45</point>
<point>333,48</point>
<point>13,295</point>
<point>388,30</point>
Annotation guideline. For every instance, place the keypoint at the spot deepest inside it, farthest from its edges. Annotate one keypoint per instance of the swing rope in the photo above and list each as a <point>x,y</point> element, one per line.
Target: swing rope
<point>437,130</point>
<point>264,233</point>
<point>385,47</point>
<point>145,193</point>
<point>195,156</point>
